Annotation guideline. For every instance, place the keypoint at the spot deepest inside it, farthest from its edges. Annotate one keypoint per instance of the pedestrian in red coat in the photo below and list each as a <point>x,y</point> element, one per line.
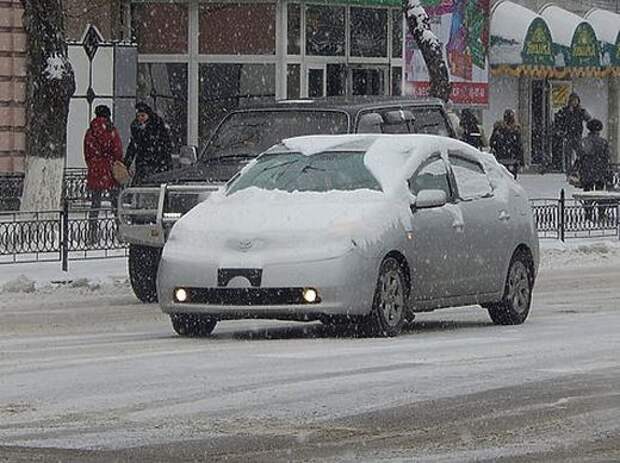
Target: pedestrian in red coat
<point>102,148</point>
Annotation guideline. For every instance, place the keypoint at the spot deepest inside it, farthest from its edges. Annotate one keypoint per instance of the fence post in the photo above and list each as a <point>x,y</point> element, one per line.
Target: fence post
<point>561,212</point>
<point>64,244</point>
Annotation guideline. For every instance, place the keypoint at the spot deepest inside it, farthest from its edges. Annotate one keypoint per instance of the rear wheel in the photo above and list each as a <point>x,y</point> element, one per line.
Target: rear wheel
<point>515,306</point>
<point>192,325</point>
<point>143,263</point>
<point>388,313</point>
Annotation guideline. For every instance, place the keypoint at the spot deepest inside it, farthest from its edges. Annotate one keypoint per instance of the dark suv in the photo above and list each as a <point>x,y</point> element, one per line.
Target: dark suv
<point>148,212</point>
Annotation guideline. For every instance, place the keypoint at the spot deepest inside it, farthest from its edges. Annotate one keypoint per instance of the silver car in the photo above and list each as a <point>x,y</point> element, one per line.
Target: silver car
<point>364,229</point>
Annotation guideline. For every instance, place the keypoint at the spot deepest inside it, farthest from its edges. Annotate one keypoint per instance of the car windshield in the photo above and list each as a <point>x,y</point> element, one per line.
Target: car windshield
<point>247,134</point>
<point>321,172</point>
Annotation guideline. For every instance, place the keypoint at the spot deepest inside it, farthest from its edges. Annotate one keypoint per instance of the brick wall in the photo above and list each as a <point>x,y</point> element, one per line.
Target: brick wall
<point>12,86</point>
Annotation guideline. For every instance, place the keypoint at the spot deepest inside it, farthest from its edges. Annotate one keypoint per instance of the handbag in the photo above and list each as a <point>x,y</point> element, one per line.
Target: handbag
<point>120,172</point>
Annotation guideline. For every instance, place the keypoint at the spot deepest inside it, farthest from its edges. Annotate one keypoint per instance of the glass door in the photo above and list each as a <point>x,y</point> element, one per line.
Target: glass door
<point>369,80</point>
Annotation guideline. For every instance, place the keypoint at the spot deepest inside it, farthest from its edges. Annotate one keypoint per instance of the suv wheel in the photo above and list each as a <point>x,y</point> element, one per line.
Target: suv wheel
<point>143,263</point>
<point>192,325</point>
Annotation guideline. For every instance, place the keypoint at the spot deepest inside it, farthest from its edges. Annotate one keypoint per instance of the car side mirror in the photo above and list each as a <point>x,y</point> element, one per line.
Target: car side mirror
<point>187,155</point>
<point>428,199</point>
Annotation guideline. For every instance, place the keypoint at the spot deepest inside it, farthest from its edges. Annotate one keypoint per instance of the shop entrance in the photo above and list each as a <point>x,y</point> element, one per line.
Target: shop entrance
<point>541,123</point>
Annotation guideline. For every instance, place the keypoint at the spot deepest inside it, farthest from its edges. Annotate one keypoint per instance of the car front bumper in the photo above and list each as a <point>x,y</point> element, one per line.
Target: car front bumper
<point>345,286</point>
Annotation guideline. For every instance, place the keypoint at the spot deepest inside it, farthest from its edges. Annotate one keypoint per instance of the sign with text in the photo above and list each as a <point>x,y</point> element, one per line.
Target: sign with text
<point>462,27</point>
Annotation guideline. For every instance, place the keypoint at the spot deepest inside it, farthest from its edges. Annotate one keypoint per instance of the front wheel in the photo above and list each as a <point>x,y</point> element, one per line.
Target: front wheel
<point>388,312</point>
<point>143,264</point>
<point>515,306</point>
<point>192,325</point>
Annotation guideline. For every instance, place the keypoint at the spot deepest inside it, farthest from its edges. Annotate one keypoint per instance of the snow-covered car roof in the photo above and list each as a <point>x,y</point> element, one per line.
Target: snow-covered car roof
<point>390,158</point>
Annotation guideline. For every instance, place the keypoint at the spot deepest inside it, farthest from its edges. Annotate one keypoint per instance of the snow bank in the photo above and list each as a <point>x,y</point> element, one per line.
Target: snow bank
<point>579,252</point>
<point>21,284</point>
<point>82,275</point>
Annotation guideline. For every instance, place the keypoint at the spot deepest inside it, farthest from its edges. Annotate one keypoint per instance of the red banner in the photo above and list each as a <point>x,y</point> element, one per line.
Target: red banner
<point>463,93</point>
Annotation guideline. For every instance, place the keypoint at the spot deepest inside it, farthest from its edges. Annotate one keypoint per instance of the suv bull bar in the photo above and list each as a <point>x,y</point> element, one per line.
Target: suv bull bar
<point>144,216</point>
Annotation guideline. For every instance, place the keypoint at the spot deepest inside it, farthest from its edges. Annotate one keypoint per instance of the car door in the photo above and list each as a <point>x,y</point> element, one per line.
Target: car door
<point>432,234</point>
<point>485,233</point>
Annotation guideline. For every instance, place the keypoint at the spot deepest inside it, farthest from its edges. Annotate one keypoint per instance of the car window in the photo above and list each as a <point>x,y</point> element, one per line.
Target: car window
<point>370,123</point>
<point>471,180</point>
<point>433,175</point>
<point>430,121</point>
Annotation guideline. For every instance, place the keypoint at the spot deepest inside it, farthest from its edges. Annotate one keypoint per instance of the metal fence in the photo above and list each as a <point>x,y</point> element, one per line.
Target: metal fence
<point>59,236</point>
<point>570,218</point>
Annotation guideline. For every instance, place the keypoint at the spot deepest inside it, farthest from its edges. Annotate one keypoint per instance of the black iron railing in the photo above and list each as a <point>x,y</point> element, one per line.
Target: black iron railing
<point>564,218</point>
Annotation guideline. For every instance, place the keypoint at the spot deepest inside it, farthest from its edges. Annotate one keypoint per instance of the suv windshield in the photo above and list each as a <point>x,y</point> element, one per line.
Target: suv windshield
<point>252,132</point>
<point>297,172</point>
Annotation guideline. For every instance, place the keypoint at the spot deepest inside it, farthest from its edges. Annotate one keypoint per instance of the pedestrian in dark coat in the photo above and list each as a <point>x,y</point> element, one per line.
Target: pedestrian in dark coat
<point>594,162</point>
<point>150,146</point>
<point>569,123</point>
<point>102,148</point>
<point>471,131</point>
<point>506,142</point>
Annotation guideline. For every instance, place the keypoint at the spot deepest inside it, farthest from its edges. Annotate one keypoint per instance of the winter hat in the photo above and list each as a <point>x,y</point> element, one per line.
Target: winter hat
<point>574,96</point>
<point>143,108</point>
<point>594,125</point>
<point>103,111</point>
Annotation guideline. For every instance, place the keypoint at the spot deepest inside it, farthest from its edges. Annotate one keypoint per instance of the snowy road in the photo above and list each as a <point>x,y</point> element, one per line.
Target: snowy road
<point>92,376</point>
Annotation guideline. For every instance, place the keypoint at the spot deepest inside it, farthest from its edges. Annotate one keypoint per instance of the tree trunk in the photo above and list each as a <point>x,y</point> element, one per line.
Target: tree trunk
<point>419,26</point>
<point>50,86</point>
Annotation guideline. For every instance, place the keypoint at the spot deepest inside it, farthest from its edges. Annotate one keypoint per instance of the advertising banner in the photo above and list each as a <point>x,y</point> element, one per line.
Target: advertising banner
<point>462,26</point>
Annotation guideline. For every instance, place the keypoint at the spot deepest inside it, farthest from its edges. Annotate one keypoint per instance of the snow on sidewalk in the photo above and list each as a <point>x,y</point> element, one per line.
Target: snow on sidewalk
<point>28,277</point>
<point>546,186</point>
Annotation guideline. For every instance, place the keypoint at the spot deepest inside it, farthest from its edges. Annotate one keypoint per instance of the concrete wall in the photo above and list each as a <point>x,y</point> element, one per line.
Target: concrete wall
<point>12,86</point>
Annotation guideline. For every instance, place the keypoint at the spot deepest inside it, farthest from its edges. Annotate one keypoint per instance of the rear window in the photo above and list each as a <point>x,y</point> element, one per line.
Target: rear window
<point>252,132</point>
<point>425,120</point>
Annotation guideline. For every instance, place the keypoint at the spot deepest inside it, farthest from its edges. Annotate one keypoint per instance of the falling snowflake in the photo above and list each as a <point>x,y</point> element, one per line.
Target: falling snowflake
<point>55,68</point>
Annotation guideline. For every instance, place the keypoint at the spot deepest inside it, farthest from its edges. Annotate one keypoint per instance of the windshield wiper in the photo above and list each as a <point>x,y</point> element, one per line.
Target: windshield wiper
<point>281,164</point>
<point>310,167</point>
<point>232,157</point>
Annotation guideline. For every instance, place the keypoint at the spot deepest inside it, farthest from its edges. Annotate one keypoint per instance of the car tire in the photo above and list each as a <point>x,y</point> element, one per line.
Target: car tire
<point>192,325</point>
<point>515,305</point>
<point>143,264</point>
<point>389,307</point>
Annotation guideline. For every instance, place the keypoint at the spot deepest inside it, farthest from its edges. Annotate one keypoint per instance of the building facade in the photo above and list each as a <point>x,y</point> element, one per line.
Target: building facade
<point>540,53</point>
<point>198,59</point>
<point>12,86</point>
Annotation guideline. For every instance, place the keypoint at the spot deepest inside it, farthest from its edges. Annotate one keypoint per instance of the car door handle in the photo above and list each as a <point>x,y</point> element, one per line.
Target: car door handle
<point>504,215</point>
<point>458,226</point>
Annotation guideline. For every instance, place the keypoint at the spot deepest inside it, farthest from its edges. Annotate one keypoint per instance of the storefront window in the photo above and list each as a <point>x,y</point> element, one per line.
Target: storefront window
<point>397,84</point>
<point>163,86</point>
<point>293,43</point>
<point>228,86</point>
<point>397,34</point>
<point>368,81</point>
<point>292,81</point>
<point>336,79</point>
<point>238,29</point>
<point>160,28</point>
<point>325,32</point>
<point>368,32</point>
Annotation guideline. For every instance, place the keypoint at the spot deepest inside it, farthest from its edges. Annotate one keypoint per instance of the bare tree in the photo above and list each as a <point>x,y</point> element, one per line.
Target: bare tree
<point>428,43</point>
<point>51,84</point>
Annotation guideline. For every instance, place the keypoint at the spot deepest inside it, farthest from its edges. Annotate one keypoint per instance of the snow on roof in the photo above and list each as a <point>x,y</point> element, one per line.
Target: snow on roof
<point>390,158</point>
<point>606,24</point>
<point>563,23</point>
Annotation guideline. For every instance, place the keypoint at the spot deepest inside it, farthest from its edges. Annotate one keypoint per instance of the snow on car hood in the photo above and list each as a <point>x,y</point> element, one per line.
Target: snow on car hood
<point>317,225</point>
